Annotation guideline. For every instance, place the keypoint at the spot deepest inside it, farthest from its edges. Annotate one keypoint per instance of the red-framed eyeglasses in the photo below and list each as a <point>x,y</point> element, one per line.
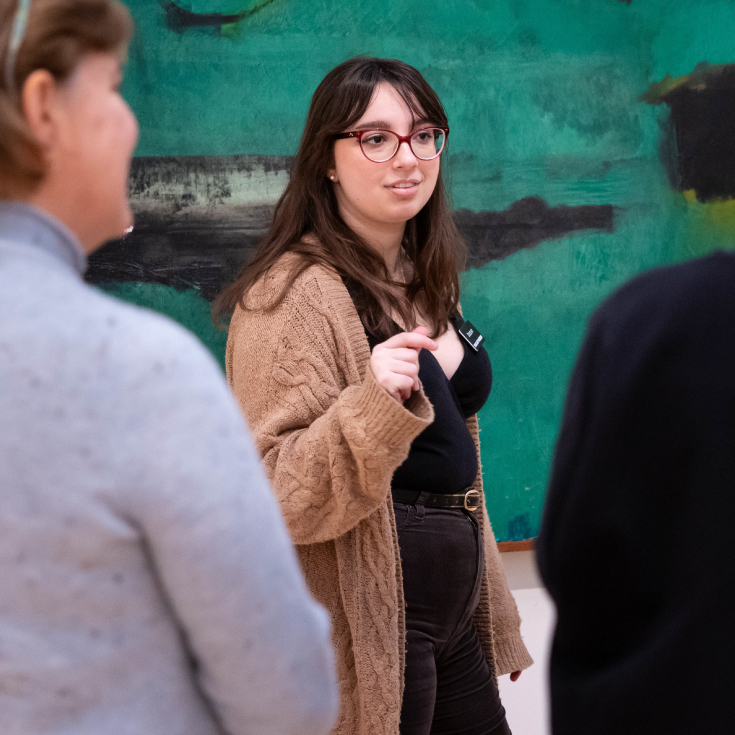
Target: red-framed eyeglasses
<point>381,145</point>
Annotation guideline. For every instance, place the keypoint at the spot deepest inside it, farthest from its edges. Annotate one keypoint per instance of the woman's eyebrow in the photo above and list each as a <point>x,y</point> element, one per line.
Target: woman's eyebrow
<point>383,125</point>
<point>378,124</point>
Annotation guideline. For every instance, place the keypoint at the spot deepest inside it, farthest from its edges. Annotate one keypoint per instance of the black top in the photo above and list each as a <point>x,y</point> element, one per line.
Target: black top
<point>443,458</point>
<point>636,544</point>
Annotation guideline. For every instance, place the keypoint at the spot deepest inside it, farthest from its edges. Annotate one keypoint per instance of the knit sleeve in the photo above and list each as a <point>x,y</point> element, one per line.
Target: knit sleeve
<point>497,620</point>
<point>329,447</point>
<point>511,653</point>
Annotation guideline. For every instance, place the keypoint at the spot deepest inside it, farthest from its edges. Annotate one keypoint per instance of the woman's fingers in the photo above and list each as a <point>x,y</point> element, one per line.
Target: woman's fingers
<point>403,382</point>
<point>398,386</point>
<point>403,367</point>
<point>414,340</point>
<point>404,353</point>
<point>395,362</point>
<point>406,388</point>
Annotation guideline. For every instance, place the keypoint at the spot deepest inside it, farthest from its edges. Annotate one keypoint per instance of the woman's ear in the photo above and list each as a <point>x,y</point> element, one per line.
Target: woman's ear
<point>39,100</point>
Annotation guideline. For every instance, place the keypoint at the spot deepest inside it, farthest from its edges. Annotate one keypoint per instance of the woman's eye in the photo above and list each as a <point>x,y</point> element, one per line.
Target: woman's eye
<point>374,139</point>
<point>424,137</point>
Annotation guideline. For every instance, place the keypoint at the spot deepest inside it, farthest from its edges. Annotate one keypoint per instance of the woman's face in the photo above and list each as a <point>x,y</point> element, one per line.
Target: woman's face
<point>389,193</point>
<point>92,149</point>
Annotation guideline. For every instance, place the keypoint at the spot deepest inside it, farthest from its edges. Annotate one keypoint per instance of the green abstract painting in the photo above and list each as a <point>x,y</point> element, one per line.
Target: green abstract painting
<point>590,140</point>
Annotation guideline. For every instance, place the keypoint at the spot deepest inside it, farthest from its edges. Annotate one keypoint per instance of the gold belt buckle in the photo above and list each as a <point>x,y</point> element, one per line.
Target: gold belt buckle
<point>476,496</point>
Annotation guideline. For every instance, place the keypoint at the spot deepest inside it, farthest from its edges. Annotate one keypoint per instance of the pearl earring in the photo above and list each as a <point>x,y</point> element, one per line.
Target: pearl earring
<point>332,177</point>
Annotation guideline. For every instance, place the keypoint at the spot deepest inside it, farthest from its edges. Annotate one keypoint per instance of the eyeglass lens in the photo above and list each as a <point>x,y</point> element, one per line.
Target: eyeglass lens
<point>381,145</point>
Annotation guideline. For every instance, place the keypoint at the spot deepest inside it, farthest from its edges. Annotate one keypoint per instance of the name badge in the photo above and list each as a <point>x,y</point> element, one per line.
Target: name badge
<point>470,335</point>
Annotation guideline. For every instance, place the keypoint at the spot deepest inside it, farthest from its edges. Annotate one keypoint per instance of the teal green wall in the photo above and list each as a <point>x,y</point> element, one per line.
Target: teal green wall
<point>542,98</point>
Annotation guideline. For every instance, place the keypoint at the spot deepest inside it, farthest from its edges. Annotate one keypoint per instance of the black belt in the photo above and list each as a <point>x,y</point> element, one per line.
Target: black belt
<point>469,500</point>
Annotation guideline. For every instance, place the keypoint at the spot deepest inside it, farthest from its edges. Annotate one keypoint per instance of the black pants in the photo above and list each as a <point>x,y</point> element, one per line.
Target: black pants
<point>449,688</point>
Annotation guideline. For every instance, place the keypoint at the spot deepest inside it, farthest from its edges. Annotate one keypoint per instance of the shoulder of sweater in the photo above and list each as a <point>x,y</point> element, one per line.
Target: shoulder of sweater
<point>138,341</point>
<point>65,322</point>
<point>669,299</point>
<point>317,288</point>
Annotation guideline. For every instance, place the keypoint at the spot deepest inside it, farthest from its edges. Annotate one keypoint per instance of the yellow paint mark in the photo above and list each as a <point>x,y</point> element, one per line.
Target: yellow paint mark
<point>720,213</point>
<point>698,79</point>
<point>691,196</point>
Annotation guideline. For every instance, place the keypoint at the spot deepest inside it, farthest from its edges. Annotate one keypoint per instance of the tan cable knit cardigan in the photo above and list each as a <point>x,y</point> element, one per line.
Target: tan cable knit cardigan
<point>331,438</point>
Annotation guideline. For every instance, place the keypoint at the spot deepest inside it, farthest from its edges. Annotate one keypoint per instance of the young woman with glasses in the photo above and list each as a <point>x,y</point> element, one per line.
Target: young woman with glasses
<point>345,354</point>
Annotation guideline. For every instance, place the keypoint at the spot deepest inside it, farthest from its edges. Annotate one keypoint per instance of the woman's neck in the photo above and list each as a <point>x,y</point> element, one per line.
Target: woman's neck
<point>386,238</point>
<point>391,250</point>
<point>59,203</point>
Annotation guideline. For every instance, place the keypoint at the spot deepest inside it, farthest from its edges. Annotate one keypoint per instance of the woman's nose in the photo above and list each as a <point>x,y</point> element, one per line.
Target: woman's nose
<point>404,156</point>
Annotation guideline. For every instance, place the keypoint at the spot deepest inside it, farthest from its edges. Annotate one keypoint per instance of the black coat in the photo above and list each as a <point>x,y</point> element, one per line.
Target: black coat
<point>637,545</point>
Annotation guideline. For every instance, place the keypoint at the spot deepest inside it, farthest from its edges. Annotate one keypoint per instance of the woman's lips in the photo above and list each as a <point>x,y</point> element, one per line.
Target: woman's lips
<point>404,188</point>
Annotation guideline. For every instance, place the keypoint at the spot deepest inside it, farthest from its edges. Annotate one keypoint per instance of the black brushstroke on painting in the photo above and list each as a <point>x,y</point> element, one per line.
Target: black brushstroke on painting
<point>177,241</point>
<point>525,224</point>
<point>202,256</point>
<point>178,244</point>
<point>179,19</point>
<point>703,146</point>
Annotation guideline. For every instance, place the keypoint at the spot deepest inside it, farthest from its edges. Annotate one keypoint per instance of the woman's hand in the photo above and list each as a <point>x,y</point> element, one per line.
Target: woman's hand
<point>395,362</point>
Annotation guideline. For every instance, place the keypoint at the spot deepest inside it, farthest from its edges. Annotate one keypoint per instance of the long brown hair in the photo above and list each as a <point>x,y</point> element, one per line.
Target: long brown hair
<point>307,221</point>
<point>58,34</point>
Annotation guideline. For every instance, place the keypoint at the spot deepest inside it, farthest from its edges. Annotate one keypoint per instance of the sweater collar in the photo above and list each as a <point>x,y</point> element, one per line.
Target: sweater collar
<point>21,222</point>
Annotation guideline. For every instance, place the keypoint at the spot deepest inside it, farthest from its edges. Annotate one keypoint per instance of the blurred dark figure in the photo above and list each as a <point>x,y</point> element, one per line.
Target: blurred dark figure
<point>636,545</point>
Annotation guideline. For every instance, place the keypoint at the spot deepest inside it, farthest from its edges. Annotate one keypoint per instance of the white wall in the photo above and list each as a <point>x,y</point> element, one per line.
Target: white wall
<point>526,701</point>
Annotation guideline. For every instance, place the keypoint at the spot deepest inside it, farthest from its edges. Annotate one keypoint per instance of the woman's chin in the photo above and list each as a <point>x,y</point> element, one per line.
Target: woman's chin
<point>404,213</point>
<point>401,209</point>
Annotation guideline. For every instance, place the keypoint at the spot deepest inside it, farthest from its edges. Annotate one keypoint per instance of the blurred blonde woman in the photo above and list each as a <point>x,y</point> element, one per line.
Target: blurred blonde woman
<point>147,583</point>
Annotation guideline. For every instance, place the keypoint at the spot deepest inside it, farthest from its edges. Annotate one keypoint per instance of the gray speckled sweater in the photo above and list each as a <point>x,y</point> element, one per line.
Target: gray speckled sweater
<point>147,584</point>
